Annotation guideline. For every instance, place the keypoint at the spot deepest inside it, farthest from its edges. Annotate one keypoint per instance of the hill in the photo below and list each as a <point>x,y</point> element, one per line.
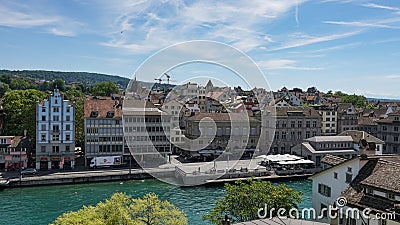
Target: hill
<point>69,77</point>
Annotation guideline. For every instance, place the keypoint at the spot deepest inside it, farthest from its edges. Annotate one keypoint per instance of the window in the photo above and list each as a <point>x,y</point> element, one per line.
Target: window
<point>67,148</point>
<point>56,109</point>
<point>56,149</point>
<point>299,124</point>
<point>56,128</point>
<point>43,118</point>
<point>299,135</point>
<point>43,148</point>
<point>284,135</point>
<point>308,134</point>
<point>56,118</point>
<point>43,137</point>
<point>349,169</point>
<point>328,119</point>
<point>369,191</point>
<point>391,196</point>
<point>308,123</point>
<point>68,127</point>
<point>324,190</point>
<point>43,127</point>
<point>68,109</point>
<point>324,209</point>
<point>292,124</point>
<point>384,127</point>
<point>56,137</point>
<point>68,118</point>
<point>67,137</point>
<point>314,123</point>
<point>335,175</point>
<point>395,128</point>
<point>43,109</point>
<point>349,178</point>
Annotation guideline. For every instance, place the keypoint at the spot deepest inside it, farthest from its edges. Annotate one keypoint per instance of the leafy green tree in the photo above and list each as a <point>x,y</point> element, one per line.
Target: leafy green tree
<point>122,209</point>
<point>339,94</point>
<point>3,89</point>
<point>20,84</point>
<point>105,89</point>
<point>329,93</point>
<point>78,97</point>
<point>244,199</point>
<point>372,106</point>
<point>20,107</point>
<point>358,101</point>
<point>59,84</point>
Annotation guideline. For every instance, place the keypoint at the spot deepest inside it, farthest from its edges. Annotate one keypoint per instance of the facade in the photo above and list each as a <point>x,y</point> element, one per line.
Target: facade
<point>365,143</point>
<point>55,133</point>
<point>375,188</point>
<point>329,184</point>
<point>389,132</point>
<point>14,152</point>
<point>329,120</point>
<point>103,128</point>
<point>293,125</point>
<point>146,131</point>
<point>216,129</point>
<point>316,148</point>
<point>347,117</point>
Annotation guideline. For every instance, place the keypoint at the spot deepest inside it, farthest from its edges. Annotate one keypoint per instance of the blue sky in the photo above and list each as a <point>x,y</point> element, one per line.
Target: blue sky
<point>348,45</point>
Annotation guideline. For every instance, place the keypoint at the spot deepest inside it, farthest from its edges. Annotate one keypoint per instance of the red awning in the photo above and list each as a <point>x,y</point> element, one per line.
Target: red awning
<point>43,159</point>
<point>55,159</point>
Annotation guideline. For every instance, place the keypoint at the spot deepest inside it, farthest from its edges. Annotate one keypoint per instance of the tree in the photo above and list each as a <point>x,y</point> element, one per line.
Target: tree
<point>244,199</point>
<point>59,84</point>
<point>339,94</point>
<point>105,89</point>
<point>20,107</point>
<point>329,93</point>
<point>74,95</point>
<point>358,101</point>
<point>3,89</point>
<point>122,209</point>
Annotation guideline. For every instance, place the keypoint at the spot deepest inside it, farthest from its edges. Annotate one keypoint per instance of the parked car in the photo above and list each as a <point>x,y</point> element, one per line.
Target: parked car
<point>29,171</point>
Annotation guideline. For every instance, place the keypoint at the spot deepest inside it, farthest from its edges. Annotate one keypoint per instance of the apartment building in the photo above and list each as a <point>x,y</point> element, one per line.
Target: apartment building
<point>103,128</point>
<point>293,125</point>
<point>329,119</point>
<point>389,132</point>
<point>146,131</point>
<point>347,117</point>
<point>55,133</point>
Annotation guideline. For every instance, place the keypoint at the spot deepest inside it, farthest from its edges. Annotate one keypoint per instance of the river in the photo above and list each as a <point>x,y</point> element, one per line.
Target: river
<point>41,205</point>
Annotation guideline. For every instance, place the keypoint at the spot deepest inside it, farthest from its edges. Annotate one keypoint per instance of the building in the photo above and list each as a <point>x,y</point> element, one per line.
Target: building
<point>329,119</point>
<point>217,131</point>
<point>329,184</point>
<point>347,117</point>
<point>365,143</point>
<point>14,152</point>
<point>103,128</point>
<point>55,133</point>
<point>317,147</point>
<point>146,132</point>
<point>375,188</point>
<point>389,132</point>
<point>364,182</point>
<point>293,125</point>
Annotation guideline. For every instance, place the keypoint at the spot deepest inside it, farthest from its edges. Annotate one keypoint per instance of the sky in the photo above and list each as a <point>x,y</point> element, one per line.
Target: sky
<point>347,45</point>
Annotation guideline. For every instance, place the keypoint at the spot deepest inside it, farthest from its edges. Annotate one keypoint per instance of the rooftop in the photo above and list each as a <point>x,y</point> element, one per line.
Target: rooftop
<point>302,111</point>
<point>330,139</point>
<point>102,106</point>
<point>360,135</point>
<point>333,160</point>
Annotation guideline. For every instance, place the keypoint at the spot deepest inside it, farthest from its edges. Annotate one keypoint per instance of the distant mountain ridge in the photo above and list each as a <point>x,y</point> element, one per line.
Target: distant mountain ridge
<point>69,77</point>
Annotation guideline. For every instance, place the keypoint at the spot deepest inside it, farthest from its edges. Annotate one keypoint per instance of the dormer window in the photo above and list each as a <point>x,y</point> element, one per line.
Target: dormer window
<point>369,191</point>
<point>391,196</point>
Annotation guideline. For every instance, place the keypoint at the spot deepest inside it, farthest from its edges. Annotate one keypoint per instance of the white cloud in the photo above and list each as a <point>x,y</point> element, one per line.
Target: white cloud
<point>154,24</point>
<point>275,64</point>
<point>377,6</point>
<point>17,15</point>
<point>359,24</point>
<point>392,77</point>
<point>304,40</point>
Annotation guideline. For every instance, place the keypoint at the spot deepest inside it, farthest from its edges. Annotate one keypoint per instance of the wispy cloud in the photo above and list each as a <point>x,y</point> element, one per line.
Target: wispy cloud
<point>17,15</point>
<point>359,24</point>
<point>150,25</point>
<point>392,77</point>
<point>377,6</point>
<point>304,40</point>
<point>275,64</point>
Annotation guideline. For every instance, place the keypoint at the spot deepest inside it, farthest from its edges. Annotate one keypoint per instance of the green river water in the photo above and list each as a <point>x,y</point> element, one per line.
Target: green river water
<point>41,205</point>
